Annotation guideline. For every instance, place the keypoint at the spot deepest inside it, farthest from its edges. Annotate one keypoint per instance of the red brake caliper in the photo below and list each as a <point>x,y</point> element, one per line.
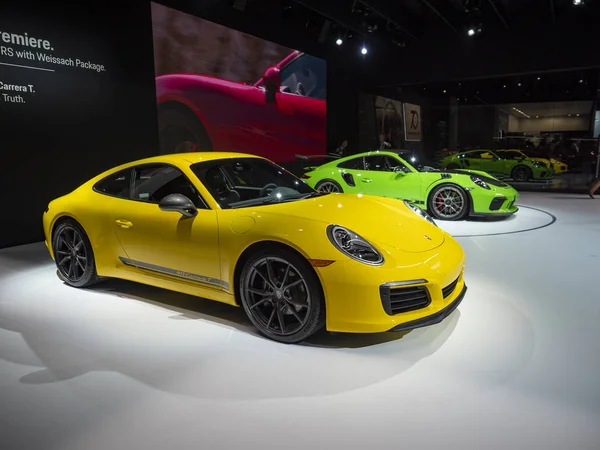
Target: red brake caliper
<point>440,202</point>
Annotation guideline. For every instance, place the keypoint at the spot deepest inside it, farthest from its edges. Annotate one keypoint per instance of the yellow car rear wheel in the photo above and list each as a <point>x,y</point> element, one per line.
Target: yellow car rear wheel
<point>73,254</point>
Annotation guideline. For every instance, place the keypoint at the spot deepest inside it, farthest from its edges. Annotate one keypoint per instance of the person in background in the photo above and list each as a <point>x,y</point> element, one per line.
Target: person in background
<point>340,150</point>
<point>595,187</point>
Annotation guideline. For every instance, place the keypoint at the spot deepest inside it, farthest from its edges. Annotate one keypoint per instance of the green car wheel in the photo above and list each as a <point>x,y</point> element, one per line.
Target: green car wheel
<point>328,186</point>
<point>521,173</point>
<point>448,202</point>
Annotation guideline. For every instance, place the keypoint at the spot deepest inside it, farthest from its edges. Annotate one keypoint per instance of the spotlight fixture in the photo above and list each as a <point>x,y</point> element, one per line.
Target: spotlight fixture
<point>519,84</point>
<point>339,41</point>
<point>580,81</point>
<point>474,29</point>
<point>364,50</point>
<point>578,2</point>
<point>577,115</point>
<point>444,91</point>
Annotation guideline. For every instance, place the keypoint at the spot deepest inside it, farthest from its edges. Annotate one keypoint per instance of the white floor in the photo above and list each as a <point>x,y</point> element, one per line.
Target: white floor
<point>130,367</point>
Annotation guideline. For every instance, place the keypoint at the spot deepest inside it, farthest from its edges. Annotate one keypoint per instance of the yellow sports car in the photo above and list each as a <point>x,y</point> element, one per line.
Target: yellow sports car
<point>241,230</point>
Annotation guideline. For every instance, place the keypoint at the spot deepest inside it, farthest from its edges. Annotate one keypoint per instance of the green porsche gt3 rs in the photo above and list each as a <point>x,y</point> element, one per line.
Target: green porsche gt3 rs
<point>446,195</point>
<point>505,166</point>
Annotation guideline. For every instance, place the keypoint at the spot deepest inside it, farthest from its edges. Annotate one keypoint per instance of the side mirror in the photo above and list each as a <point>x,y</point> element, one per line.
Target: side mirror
<point>178,203</point>
<point>399,171</point>
<point>272,83</point>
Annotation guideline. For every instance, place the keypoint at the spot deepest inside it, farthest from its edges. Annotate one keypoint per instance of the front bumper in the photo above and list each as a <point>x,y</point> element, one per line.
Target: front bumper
<point>357,295</point>
<point>434,318</point>
<point>500,202</point>
<point>542,173</point>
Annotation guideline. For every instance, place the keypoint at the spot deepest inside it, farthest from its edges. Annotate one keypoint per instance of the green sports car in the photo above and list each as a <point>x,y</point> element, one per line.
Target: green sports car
<point>447,194</point>
<point>500,166</point>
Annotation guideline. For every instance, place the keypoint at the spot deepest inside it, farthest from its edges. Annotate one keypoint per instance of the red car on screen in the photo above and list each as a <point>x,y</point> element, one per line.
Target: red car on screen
<point>279,116</point>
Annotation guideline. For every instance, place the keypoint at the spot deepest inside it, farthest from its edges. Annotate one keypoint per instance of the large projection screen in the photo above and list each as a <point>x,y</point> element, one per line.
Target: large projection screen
<point>223,90</point>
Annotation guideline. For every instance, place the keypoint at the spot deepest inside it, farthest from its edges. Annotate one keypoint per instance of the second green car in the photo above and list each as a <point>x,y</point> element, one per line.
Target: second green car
<point>445,194</point>
<point>520,170</point>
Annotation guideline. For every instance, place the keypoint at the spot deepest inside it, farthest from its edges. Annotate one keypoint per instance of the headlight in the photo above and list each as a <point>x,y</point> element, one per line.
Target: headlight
<point>351,244</point>
<point>479,182</point>
<point>420,212</point>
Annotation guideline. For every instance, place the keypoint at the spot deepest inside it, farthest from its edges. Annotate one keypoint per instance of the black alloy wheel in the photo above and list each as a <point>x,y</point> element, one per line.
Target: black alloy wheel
<point>521,173</point>
<point>448,202</point>
<point>282,296</point>
<point>328,186</point>
<point>73,255</point>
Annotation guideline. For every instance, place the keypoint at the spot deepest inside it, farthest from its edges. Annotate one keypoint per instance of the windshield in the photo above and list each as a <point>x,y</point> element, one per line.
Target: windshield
<point>243,182</point>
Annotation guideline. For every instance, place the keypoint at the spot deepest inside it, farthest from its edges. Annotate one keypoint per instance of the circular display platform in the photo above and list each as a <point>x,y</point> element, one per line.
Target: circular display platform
<point>526,219</point>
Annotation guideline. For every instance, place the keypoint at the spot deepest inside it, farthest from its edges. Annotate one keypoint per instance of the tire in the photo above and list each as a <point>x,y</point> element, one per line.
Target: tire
<point>445,197</point>
<point>180,131</point>
<point>328,185</point>
<point>453,166</point>
<point>283,315</point>
<point>70,243</point>
<point>521,173</point>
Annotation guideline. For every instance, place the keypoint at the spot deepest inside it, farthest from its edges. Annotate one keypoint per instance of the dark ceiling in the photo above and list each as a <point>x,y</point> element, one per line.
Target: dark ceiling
<point>423,46</point>
<point>418,41</point>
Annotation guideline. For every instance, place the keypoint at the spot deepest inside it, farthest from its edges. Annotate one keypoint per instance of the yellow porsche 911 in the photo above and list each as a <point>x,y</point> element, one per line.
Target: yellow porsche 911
<point>241,230</point>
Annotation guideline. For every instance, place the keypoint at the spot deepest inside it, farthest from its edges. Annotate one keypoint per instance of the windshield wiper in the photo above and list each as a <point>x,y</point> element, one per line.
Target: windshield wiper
<point>314,194</point>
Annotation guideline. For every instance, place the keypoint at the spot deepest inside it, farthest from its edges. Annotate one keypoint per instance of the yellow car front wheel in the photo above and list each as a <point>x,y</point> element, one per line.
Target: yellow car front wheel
<point>281,295</point>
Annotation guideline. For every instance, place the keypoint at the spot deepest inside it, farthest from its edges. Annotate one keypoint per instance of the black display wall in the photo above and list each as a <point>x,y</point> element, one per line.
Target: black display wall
<point>91,107</point>
<point>93,104</point>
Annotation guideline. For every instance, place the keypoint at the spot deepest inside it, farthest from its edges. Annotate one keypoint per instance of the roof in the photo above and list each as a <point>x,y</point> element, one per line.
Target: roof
<point>192,158</point>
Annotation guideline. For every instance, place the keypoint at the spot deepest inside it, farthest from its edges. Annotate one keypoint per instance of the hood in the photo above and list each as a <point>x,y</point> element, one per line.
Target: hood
<point>377,219</point>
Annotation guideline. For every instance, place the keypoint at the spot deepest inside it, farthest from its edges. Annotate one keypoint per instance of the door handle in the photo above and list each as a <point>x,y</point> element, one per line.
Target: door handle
<point>366,180</point>
<point>124,223</point>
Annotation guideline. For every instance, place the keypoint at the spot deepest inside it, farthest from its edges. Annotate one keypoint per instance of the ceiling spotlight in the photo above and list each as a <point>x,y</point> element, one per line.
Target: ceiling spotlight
<point>364,50</point>
<point>537,117</point>
<point>577,115</point>
<point>519,84</point>
<point>580,81</point>
<point>539,78</point>
<point>578,2</point>
<point>339,41</point>
<point>444,91</point>
<point>471,32</point>
<point>569,115</point>
<point>504,86</point>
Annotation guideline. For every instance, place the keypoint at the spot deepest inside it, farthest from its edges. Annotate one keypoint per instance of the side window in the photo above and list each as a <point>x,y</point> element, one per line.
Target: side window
<point>383,163</point>
<point>306,76</point>
<point>353,164</point>
<point>117,184</point>
<point>152,183</point>
<point>396,164</point>
<point>473,155</point>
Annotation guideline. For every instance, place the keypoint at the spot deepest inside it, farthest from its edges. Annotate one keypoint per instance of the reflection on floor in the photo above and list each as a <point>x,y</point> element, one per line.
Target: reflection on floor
<point>527,219</point>
<point>124,366</point>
